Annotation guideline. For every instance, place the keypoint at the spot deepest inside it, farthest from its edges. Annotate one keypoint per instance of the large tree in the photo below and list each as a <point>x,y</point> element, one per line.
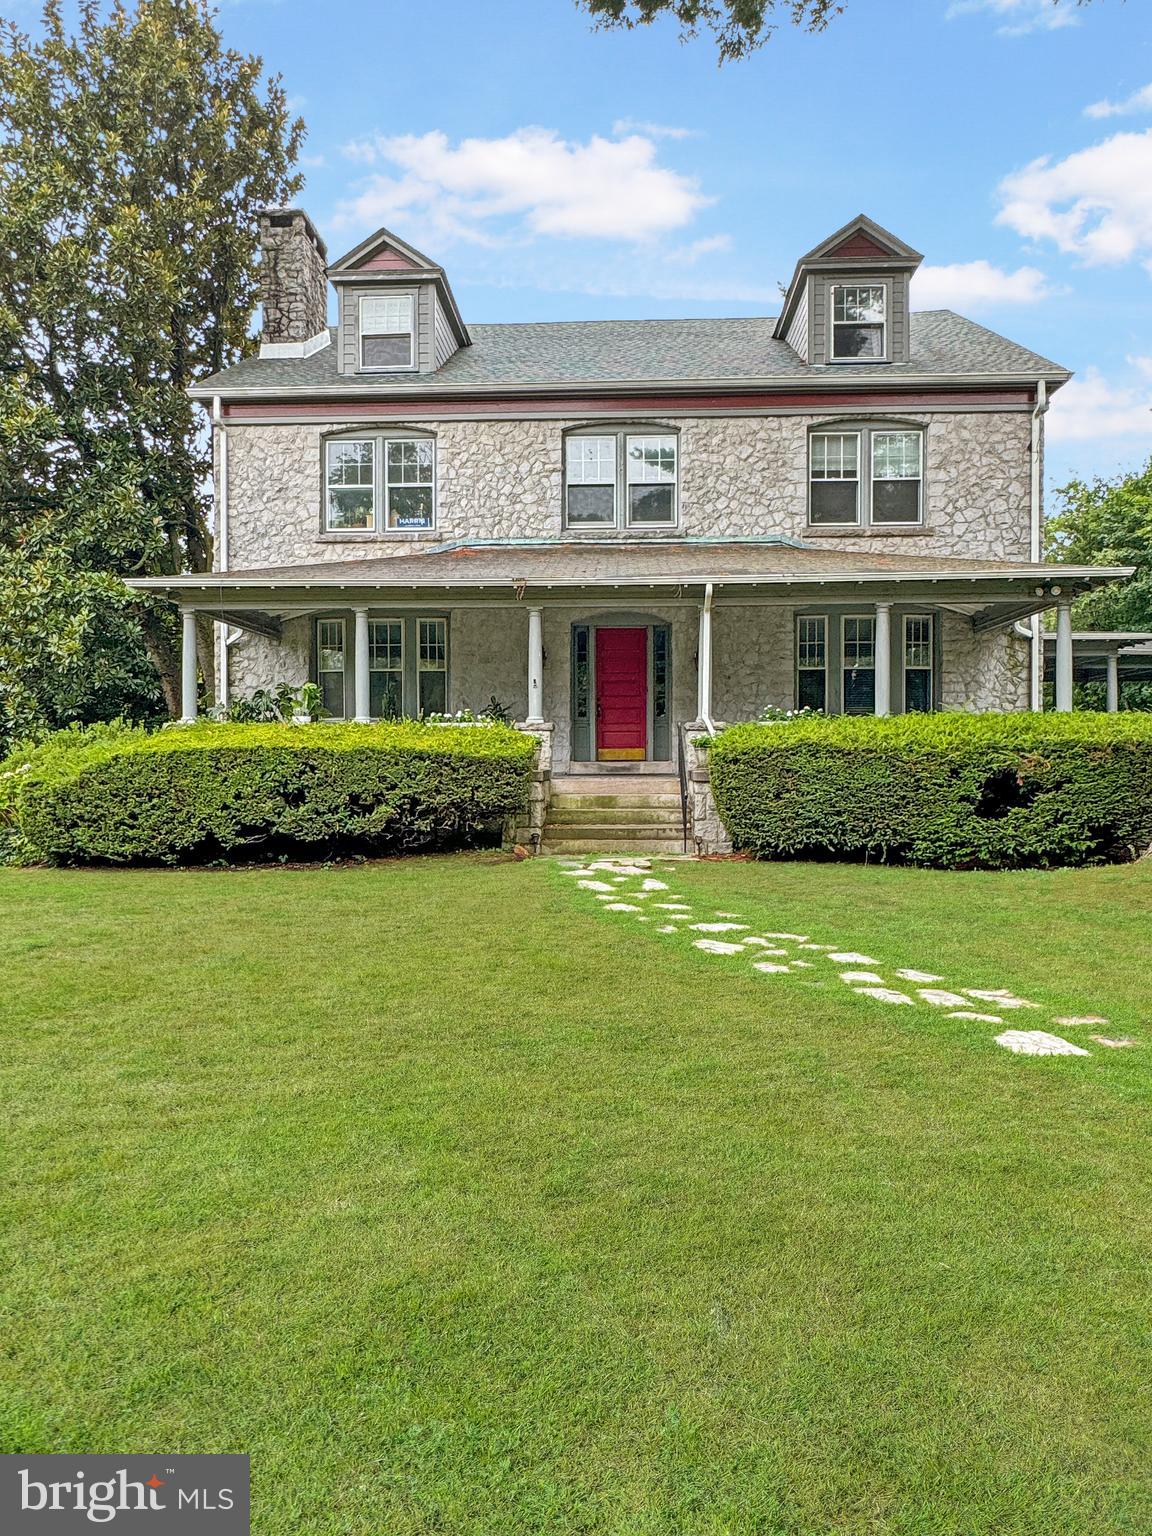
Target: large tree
<point>1109,522</point>
<point>739,26</point>
<point>134,153</point>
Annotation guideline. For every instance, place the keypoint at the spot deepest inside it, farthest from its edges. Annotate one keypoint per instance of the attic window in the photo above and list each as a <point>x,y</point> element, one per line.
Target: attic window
<point>386,332</point>
<point>858,315</point>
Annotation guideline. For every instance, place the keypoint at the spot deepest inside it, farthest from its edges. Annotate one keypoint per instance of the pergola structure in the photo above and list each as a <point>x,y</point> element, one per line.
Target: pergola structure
<point>1102,656</point>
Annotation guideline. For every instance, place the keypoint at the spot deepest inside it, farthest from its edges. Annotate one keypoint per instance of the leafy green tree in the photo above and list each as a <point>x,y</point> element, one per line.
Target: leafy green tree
<point>739,26</point>
<point>134,153</point>
<point>1109,522</point>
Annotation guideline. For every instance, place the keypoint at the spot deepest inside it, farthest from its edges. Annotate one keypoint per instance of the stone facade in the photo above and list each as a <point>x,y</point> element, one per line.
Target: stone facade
<point>740,476</point>
<point>293,277</point>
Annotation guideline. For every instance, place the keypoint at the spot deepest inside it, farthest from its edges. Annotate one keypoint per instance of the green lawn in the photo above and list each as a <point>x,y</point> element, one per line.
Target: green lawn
<point>469,1208</point>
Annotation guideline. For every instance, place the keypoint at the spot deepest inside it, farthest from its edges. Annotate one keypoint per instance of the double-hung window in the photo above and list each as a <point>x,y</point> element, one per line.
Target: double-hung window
<point>918,662</point>
<point>387,340</point>
<point>859,313</point>
<point>381,484</point>
<point>432,665</point>
<point>330,664</point>
<point>812,661</point>
<point>858,656</point>
<point>621,479</point>
<point>896,477</point>
<point>591,482</point>
<point>865,476</point>
<point>834,495</point>
<point>385,668</point>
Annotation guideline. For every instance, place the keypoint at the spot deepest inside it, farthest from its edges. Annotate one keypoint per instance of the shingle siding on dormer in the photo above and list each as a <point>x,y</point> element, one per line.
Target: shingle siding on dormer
<point>348,347</point>
<point>799,332</point>
<point>820,287</point>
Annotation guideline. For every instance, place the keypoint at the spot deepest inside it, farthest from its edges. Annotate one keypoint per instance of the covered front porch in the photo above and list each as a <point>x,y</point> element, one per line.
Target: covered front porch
<point>616,646</point>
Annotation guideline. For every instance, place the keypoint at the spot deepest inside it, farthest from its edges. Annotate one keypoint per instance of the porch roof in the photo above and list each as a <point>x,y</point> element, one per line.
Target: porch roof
<point>1091,649</point>
<point>772,569</point>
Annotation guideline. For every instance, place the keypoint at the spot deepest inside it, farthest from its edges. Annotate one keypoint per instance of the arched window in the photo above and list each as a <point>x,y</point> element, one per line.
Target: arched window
<point>864,474</point>
<point>621,477</point>
<point>380,481</point>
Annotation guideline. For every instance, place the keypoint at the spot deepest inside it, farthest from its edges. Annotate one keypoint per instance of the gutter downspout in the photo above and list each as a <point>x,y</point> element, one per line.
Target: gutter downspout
<point>220,430</point>
<point>1035,690</point>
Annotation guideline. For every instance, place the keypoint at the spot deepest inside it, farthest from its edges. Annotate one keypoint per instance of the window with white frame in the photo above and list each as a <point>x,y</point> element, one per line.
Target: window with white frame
<point>387,338</point>
<point>591,466</point>
<point>651,481</point>
<point>366,474</point>
<point>919,690</point>
<point>834,493</point>
<point>628,479</point>
<point>866,476</point>
<point>350,503</point>
<point>896,477</point>
<point>858,658</point>
<point>330,664</point>
<point>812,661</point>
<point>432,665</point>
<point>858,321</point>
<point>385,668</point>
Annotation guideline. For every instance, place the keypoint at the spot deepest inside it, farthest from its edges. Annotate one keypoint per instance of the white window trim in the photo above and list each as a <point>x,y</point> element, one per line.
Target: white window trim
<point>822,620</point>
<point>616,439</point>
<point>329,444</point>
<point>380,486</point>
<point>621,504</point>
<point>420,668</point>
<point>858,521</point>
<point>413,358</point>
<point>833,289</point>
<point>865,478</point>
<point>869,618</point>
<point>918,433</point>
<point>322,672</point>
<point>386,619</point>
<point>930,668</point>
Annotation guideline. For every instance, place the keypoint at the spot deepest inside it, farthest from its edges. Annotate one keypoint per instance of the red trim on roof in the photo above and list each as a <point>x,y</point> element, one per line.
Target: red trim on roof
<point>859,245</point>
<point>645,404</point>
<point>386,260</point>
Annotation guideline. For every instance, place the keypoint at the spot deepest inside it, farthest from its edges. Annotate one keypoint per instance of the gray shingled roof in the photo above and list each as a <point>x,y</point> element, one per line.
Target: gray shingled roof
<point>604,352</point>
<point>659,561</point>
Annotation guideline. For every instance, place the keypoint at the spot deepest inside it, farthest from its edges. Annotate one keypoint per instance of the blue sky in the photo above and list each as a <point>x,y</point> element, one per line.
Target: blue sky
<point>564,173</point>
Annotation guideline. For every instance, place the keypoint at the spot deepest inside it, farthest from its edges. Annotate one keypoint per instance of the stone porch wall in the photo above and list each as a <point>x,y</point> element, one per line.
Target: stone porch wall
<point>740,476</point>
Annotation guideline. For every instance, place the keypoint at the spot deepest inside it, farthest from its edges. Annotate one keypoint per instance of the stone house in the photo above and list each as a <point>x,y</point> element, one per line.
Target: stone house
<point>619,528</point>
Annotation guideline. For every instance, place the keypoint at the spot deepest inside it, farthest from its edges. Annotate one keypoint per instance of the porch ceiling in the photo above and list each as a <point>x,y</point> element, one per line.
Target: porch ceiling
<point>779,571</point>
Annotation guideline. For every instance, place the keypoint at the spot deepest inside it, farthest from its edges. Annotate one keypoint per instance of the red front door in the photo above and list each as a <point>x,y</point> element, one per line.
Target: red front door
<point>621,694</point>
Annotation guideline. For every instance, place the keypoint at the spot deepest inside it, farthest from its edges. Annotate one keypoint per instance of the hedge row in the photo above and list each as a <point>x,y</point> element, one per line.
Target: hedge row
<point>209,791</point>
<point>949,791</point>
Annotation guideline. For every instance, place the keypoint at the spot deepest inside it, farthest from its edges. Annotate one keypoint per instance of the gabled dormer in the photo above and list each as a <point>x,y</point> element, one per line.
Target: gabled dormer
<point>847,303</point>
<point>396,311</point>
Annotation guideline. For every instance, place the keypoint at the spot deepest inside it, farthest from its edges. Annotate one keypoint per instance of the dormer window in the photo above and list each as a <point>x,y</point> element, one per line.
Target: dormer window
<point>386,333</point>
<point>858,322</point>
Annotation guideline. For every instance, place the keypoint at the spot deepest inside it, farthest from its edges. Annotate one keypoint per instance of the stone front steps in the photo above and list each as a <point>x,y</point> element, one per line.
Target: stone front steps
<point>586,814</point>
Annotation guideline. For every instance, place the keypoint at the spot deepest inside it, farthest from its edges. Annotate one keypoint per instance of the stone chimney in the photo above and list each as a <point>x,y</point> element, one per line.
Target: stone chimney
<point>293,284</point>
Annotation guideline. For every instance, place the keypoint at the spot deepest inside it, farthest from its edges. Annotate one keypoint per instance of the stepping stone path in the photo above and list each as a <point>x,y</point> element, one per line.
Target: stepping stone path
<point>608,880</point>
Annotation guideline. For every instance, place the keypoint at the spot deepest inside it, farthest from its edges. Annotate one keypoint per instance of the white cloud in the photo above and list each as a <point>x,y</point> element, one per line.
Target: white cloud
<point>968,285</point>
<point>1094,407</point>
<point>1095,203</point>
<point>529,183</point>
<point>1022,16</point>
<point>624,125</point>
<point>1127,106</point>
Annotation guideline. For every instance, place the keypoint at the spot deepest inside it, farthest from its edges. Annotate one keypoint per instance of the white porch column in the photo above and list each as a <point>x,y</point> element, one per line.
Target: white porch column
<point>535,667</point>
<point>1064,655</point>
<point>1113,683</point>
<point>360,662</point>
<point>704,659</point>
<point>883,658</point>
<point>188,668</point>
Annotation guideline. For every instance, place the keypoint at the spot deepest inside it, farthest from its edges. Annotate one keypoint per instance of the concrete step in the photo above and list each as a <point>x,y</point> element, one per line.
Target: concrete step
<point>615,815</point>
<point>627,831</point>
<point>636,802</point>
<point>622,783</point>
<point>581,845</point>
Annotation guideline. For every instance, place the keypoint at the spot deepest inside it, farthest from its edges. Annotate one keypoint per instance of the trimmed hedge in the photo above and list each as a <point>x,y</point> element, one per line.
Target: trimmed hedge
<point>208,791</point>
<point>949,791</point>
